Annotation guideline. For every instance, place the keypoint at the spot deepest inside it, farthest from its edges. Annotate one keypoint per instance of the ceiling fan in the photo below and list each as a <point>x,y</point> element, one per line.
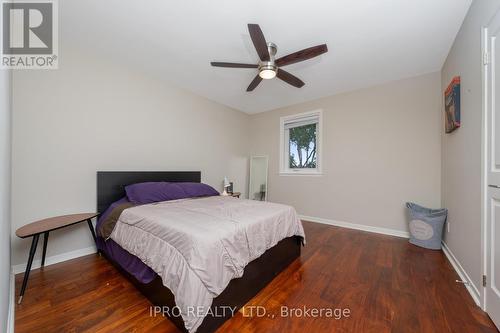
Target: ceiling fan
<point>269,67</point>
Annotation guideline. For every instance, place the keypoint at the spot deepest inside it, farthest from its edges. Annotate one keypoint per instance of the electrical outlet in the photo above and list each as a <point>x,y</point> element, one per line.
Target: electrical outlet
<point>448,226</point>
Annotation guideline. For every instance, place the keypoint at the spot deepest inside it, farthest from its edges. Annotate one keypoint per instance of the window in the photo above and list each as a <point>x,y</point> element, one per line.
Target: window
<point>300,143</point>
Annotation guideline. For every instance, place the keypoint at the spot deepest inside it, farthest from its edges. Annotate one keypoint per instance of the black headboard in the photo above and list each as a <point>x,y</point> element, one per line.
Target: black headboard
<point>111,184</point>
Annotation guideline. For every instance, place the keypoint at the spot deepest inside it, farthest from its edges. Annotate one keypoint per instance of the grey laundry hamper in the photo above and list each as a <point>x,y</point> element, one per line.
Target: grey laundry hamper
<point>426,225</point>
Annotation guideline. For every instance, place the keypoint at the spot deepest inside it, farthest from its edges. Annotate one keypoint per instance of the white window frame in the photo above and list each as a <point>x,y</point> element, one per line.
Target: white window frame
<point>285,170</point>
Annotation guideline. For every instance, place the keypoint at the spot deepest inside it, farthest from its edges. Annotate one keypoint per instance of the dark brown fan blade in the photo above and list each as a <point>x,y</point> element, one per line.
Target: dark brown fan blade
<point>289,78</point>
<point>233,65</point>
<point>255,82</point>
<point>302,55</point>
<point>259,41</point>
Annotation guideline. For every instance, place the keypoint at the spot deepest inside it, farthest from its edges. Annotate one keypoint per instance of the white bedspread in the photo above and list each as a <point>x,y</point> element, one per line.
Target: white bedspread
<point>198,245</point>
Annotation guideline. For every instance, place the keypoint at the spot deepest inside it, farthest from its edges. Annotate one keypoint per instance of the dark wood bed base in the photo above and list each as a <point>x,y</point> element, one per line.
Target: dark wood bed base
<point>258,273</point>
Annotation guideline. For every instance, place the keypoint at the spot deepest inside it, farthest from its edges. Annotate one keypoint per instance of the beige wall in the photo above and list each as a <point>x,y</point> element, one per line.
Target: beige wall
<point>89,116</point>
<point>5,153</point>
<point>461,161</point>
<point>381,148</point>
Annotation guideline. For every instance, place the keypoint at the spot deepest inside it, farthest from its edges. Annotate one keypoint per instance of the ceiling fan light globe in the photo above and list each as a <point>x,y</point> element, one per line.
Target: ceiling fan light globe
<point>267,74</point>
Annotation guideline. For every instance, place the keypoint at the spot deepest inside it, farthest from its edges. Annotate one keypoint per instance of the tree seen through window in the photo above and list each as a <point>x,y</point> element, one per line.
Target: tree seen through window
<point>302,143</point>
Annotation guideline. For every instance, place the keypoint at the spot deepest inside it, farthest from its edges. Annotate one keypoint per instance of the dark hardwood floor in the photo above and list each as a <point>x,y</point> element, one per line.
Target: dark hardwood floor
<point>387,284</point>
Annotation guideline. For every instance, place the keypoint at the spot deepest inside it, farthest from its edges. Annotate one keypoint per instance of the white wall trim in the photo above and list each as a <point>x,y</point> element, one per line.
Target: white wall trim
<point>55,259</point>
<point>378,230</point>
<point>484,163</point>
<point>12,307</point>
<point>471,288</point>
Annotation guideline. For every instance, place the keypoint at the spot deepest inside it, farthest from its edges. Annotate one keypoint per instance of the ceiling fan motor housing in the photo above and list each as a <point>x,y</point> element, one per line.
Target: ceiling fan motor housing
<point>267,66</point>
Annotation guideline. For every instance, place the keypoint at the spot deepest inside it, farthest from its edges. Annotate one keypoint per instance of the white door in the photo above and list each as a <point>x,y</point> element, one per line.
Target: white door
<point>491,62</point>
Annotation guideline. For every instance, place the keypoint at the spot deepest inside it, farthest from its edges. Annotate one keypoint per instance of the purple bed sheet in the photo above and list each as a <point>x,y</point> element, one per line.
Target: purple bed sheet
<point>130,263</point>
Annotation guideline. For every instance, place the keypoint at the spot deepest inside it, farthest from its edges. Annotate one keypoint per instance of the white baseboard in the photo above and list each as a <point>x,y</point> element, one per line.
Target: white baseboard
<point>378,230</point>
<point>471,287</point>
<point>12,307</point>
<point>55,259</point>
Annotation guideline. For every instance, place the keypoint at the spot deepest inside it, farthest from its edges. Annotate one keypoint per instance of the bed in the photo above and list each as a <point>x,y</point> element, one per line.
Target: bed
<point>258,272</point>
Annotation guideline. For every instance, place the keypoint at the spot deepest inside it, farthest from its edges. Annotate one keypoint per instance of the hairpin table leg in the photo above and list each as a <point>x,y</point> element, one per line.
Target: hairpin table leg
<point>45,239</point>
<point>34,243</point>
<point>89,221</point>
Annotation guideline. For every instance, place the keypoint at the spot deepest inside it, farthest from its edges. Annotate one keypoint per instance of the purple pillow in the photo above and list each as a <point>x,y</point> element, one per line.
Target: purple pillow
<point>198,190</point>
<point>144,193</point>
<point>149,192</point>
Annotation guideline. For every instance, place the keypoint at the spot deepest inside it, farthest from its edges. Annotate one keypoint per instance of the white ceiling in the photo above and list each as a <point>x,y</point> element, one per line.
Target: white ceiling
<point>369,41</point>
